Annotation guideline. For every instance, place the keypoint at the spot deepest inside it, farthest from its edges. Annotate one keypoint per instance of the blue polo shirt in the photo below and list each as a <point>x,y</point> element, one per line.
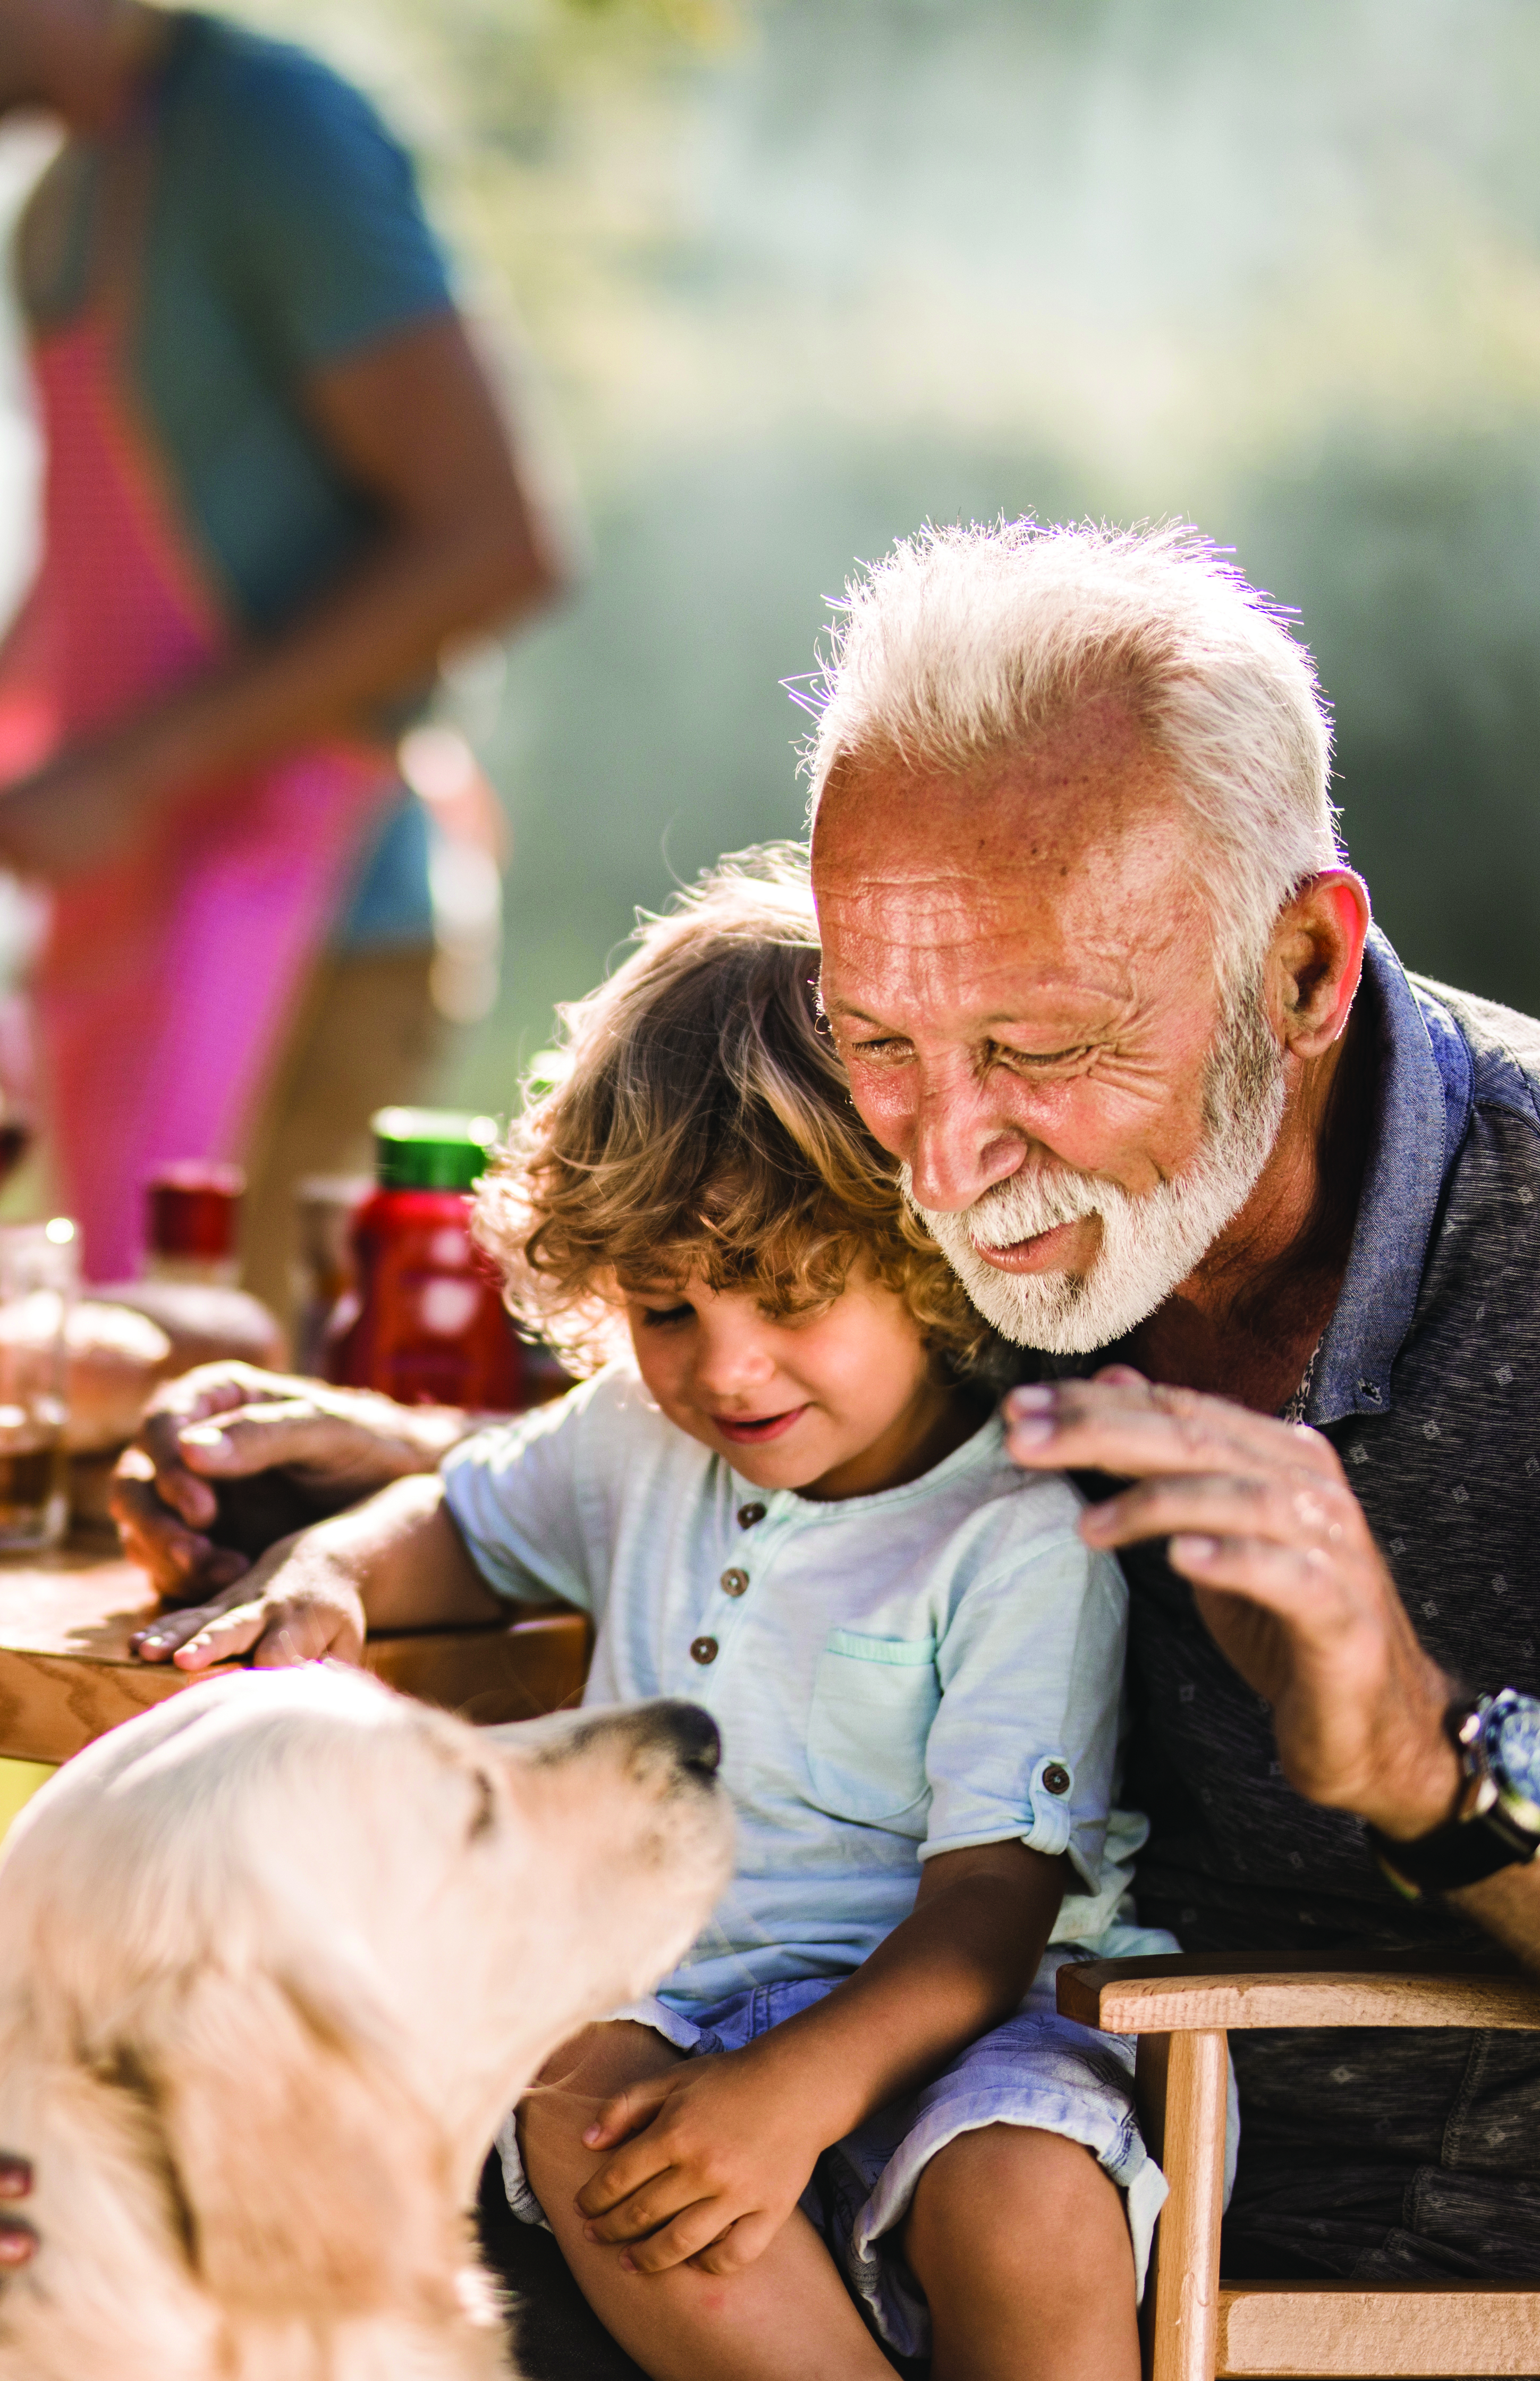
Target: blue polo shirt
<point>1409,1386</point>
<point>1424,1087</point>
<point>1379,2156</point>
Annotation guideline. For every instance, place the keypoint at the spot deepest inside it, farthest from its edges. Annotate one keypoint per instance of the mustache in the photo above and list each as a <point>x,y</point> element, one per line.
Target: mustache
<point>1027,1203</point>
<point>1149,1240</point>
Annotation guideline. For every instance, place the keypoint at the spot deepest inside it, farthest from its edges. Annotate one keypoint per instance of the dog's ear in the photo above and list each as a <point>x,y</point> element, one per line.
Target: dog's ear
<point>305,2172</point>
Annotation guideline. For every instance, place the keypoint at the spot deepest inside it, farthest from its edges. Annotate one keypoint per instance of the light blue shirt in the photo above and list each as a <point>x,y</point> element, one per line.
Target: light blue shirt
<point>894,1675</point>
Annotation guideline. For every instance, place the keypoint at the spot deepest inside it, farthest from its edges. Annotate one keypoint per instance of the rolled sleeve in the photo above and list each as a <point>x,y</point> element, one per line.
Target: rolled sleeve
<point>1024,1743</point>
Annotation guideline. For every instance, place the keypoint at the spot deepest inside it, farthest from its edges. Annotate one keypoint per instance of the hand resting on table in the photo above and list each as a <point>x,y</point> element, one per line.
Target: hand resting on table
<point>229,1421</point>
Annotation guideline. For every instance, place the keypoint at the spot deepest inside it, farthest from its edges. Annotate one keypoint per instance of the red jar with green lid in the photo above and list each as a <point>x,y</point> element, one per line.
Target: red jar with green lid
<point>425,1322</point>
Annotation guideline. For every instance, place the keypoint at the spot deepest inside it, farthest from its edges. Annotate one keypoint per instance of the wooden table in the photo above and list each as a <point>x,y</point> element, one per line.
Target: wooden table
<point>66,1673</point>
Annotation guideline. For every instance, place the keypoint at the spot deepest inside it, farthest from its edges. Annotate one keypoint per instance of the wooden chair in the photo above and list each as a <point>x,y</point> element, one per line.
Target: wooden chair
<point>1197,2327</point>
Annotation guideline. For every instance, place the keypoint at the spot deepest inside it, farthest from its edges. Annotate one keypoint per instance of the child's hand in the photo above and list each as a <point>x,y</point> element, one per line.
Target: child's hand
<point>276,1624</point>
<point>718,2154</point>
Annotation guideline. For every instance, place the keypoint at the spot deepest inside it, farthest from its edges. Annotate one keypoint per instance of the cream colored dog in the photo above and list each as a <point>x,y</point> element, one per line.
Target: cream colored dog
<point>275,1960</point>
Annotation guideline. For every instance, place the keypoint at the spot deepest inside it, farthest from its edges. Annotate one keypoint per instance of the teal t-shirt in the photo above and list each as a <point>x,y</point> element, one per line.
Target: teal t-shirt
<point>283,232</point>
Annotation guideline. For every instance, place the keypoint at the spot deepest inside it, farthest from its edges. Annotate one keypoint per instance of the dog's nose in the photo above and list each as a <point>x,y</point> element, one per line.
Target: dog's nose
<point>696,1737</point>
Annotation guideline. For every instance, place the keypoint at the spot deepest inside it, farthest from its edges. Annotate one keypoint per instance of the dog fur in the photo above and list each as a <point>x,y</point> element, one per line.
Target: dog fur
<point>276,1958</point>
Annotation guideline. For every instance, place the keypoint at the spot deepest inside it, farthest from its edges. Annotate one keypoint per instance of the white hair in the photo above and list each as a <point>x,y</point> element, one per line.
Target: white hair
<point>967,643</point>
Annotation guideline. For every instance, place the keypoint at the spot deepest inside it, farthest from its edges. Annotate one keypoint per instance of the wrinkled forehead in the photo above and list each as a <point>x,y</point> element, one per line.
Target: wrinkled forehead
<point>1073,865</point>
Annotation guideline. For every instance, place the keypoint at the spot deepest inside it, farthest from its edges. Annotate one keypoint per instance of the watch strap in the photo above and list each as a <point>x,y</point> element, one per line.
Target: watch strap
<point>1461,1851</point>
<point>1480,1839</point>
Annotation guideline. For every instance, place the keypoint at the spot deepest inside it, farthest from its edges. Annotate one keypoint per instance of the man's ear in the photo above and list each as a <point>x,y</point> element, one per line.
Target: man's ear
<point>1316,958</point>
<point>305,2172</point>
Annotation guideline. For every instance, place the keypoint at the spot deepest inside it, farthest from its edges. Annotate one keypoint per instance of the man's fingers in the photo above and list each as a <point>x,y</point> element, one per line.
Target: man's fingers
<point>172,1557</point>
<point>260,1438</point>
<point>1265,1441</point>
<point>171,1540</point>
<point>1150,1416</point>
<point>182,1566</point>
<point>170,1498</point>
<point>207,1389</point>
<point>1296,1510</point>
<point>191,1499</point>
<point>1132,1429</point>
<point>1288,1581</point>
<point>196,1397</point>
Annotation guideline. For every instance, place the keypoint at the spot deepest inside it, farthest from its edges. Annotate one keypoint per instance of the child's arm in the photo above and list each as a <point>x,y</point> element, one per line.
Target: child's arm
<point>396,1561</point>
<point>730,2141</point>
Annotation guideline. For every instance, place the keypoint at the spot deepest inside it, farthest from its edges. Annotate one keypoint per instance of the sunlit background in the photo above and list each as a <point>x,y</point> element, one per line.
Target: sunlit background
<point>790,276</point>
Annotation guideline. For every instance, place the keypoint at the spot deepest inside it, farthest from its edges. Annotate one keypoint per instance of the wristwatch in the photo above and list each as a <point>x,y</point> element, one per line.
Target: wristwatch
<point>1496,1822</point>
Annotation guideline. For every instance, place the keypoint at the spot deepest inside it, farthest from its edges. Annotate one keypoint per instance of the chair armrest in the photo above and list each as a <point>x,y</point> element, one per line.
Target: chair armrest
<point>1198,1994</point>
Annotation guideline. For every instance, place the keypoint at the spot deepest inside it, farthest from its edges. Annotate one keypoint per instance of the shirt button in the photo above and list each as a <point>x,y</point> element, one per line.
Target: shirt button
<point>749,1514</point>
<point>734,1581</point>
<point>703,1649</point>
<point>1056,1779</point>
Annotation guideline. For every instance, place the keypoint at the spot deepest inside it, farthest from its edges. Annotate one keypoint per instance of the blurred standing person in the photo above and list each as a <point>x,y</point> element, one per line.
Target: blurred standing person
<point>276,483</point>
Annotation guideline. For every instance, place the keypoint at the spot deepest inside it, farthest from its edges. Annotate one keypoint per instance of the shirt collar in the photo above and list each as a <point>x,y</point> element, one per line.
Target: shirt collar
<point>1422,1102</point>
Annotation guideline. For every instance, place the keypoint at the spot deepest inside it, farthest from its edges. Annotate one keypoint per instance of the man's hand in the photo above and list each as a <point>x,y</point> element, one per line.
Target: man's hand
<point>18,2239</point>
<point>717,2155</point>
<point>1287,1576</point>
<point>230,1421</point>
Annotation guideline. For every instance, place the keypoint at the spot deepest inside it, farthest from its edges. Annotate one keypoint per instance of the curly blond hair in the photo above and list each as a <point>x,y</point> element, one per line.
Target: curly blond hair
<point>700,1123</point>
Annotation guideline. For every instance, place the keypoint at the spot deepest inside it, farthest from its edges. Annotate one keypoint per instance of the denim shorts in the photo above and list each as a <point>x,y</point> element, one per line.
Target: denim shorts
<point>1038,2068</point>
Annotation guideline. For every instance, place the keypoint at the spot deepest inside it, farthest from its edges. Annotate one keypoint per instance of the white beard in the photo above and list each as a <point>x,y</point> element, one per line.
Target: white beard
<point>1149,1243</point>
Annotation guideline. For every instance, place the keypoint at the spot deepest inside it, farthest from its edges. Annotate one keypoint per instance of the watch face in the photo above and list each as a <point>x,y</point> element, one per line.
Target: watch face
<point>1514,1754</point>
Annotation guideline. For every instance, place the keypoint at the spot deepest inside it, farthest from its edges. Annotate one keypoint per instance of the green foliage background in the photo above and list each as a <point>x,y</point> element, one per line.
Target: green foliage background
<point>795,274</point>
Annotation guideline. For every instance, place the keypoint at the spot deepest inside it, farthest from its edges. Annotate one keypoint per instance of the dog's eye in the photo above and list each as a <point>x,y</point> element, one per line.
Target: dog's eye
<point>483,1818</point>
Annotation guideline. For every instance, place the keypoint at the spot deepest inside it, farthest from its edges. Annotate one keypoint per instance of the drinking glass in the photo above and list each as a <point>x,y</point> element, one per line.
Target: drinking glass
<point>38,1275</point>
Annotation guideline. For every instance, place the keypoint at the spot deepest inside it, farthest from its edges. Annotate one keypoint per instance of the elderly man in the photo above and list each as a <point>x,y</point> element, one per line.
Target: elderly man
<point>1107,990</point>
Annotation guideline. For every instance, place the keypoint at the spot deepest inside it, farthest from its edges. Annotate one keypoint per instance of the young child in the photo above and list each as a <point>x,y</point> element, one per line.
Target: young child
<point>789,1501</point>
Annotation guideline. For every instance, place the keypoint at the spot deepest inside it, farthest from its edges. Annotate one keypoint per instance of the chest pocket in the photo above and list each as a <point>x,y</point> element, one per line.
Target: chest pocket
<point>874,1700</point>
